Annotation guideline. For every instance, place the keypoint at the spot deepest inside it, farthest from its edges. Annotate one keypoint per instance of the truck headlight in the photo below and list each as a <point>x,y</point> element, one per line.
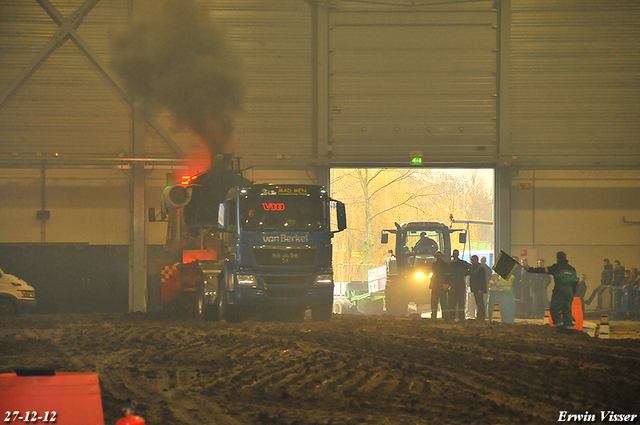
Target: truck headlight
<point>246,279</point>
<point>324,279</point>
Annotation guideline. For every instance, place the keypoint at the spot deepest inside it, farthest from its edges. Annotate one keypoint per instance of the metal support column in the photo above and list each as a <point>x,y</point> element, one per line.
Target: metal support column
<point>138,247</point>
<point>504,171</point>
<point>320,19</point>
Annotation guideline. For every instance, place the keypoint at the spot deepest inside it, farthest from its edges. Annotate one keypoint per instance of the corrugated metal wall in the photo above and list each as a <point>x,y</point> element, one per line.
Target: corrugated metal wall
<point>274,39</point>
<point>575,82</point>
<point>68,106</point>
<point>407,77</point>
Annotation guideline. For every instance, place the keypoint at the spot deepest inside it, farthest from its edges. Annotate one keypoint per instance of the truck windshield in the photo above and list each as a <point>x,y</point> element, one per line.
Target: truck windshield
<point>278,213</point>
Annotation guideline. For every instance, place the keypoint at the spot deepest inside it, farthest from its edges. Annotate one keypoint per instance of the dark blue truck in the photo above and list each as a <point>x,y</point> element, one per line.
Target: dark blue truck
<point>277,253</point>
<point>246,249</point>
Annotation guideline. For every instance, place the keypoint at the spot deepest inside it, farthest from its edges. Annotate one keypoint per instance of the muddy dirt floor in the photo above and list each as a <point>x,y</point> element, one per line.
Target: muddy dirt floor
<point>352,370</point>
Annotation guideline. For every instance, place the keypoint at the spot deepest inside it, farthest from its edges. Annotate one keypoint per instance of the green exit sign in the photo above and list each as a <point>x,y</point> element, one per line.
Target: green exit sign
<point>416,160</point>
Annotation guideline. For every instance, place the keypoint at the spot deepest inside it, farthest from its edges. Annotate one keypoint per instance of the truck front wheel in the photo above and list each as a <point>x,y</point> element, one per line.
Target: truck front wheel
<point>322,313</point>
<point>227,311</point>
<point>206,311</point>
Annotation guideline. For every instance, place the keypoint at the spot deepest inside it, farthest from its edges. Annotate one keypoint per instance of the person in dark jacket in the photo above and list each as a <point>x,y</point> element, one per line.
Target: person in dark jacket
<point>425,245</point>
<point>605,282</point>
<point>539,292</point>
<point>478,285</point>
<point>458,269</point>
<point>527,298</point>
<point>617,281</point>
<point>439,286</point>
<point>564,276</point>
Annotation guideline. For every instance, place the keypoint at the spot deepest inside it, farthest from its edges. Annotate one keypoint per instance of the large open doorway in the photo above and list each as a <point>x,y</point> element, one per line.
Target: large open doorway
<point>376,198</point>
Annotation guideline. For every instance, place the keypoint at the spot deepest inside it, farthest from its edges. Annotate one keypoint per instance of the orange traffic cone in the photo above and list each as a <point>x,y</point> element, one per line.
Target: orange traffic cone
<point>131,420</point>
<point>129,417</point>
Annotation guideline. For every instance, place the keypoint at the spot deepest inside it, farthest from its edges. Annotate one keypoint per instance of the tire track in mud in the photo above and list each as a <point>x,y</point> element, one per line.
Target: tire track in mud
<point>373,370</point>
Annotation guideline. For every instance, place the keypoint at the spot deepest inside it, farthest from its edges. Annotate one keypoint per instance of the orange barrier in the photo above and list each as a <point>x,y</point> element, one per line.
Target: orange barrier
<point>576,312</point>
<point>65,398</point>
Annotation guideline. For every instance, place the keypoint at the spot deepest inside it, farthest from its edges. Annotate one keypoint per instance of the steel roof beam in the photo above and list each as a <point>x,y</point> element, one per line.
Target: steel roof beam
<point>67,30</point>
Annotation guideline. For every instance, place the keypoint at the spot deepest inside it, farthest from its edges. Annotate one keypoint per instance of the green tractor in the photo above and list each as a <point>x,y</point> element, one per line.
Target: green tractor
<point>409,270</point>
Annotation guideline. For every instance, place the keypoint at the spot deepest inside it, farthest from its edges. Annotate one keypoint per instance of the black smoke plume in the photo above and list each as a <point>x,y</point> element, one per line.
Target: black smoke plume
<point>174,57</point>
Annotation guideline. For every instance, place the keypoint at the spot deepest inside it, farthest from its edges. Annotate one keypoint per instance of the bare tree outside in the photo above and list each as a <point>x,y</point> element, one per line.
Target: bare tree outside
<point>376,198</point>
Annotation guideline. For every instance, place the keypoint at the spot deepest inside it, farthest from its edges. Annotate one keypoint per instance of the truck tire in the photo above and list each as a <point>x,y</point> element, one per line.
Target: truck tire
<point>229,313</point>
<point>322,313</point>
<point>7,307</point>
<point>206,311</point>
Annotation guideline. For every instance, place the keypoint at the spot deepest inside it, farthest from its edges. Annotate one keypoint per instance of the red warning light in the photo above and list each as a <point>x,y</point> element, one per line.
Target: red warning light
<point>185,180</point>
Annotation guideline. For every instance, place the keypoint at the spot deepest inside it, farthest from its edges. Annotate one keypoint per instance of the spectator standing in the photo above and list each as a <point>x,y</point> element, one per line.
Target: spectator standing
<point>617,281</point>
<point>581,289</point>
<point>517,280</point>
<point>564,276</point>
<point>501,292</point>
<point>392,264</point>
<point>628,290</point>
<point>458,269</point>
<point>605,282</point>
<point>526,280</point>
<point>488,273</point>
<point>539,287</point>
<point>439,286</point>
<point>478,284</point>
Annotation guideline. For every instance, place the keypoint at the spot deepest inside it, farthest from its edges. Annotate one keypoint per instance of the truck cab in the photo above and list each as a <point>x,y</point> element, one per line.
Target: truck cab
<point>277,251</point>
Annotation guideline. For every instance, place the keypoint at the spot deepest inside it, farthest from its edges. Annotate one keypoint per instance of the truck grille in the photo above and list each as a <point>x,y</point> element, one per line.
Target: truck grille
<point>287,293</point>
<point>284,280</point>
<point>276,256</point>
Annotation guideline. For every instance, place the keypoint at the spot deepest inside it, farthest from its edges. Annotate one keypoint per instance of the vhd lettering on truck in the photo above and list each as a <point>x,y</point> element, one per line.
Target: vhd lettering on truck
<point>284,238</point>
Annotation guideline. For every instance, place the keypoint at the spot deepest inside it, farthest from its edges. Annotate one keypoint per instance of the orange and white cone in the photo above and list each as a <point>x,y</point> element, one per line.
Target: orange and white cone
<point>547,314</point>
<point>604,332</point>
<point>495,315</point>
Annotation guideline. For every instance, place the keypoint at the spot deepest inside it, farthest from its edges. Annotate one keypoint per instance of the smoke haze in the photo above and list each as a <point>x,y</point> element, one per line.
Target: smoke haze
<point>174,57</point>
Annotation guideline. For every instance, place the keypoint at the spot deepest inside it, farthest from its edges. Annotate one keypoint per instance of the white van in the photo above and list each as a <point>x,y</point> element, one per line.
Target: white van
<point>16,295</point>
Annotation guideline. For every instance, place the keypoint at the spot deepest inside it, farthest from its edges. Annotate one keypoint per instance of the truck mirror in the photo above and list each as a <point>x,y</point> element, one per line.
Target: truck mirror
<point>152,215</point>
<point>341,215</point>
<point>384,238</point>
<point>222,216</point>
<point>462,238</point>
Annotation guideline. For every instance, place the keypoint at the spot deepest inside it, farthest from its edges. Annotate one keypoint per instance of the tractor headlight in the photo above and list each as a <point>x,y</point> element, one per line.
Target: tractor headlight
<point>246,280</point>
<point>422,275</point>
<point>324,279</point>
